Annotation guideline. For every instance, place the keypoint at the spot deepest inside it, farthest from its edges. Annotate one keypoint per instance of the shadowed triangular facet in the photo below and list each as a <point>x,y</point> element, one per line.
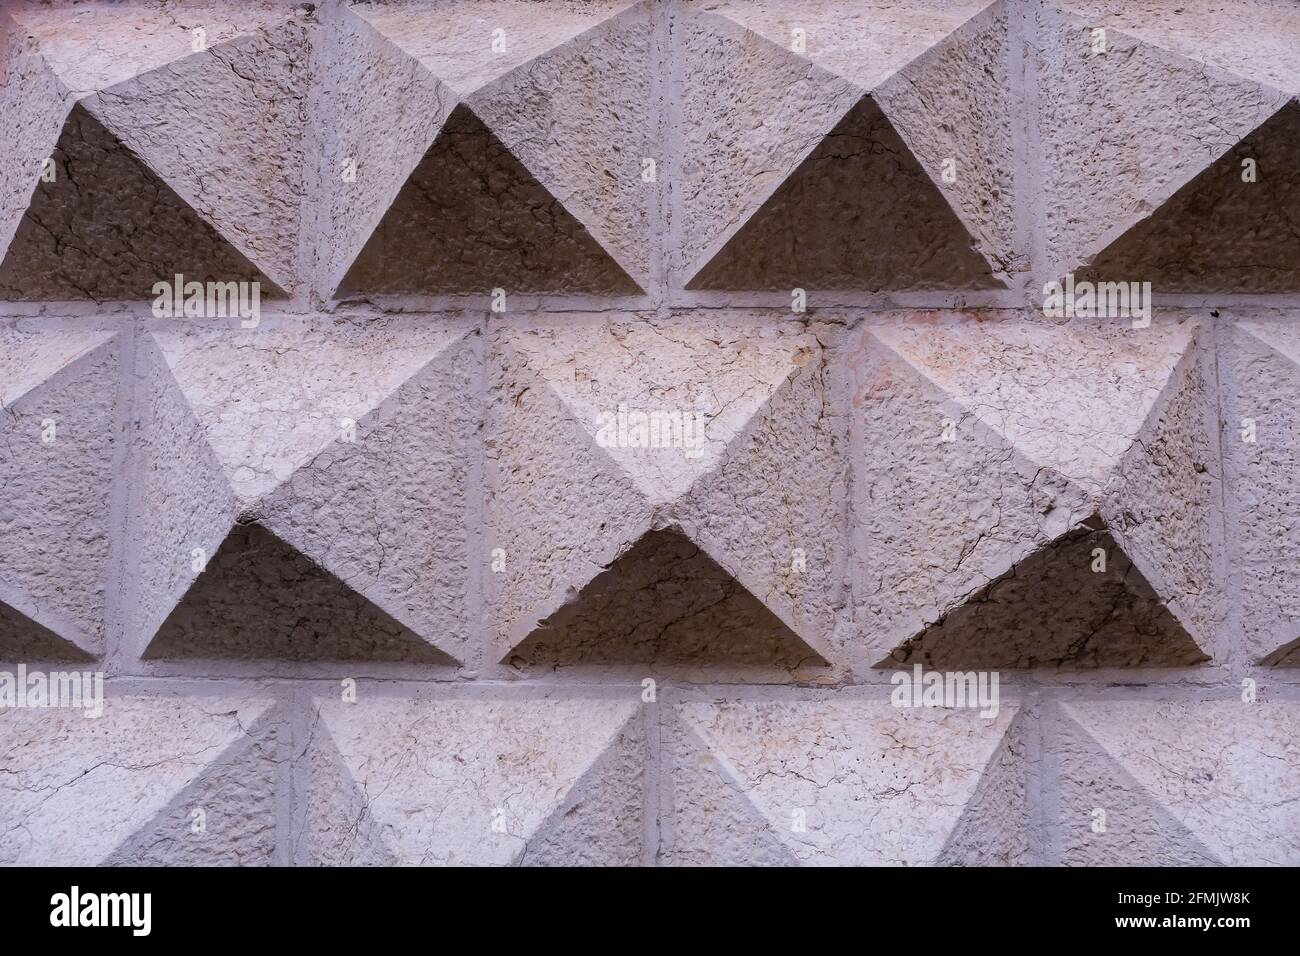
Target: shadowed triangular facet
<point>1077,602</point>
<point>258,598</point>
<point>107,227</point>
<point>665,601</point>
<point>859,213</point>
<point>471,218</point>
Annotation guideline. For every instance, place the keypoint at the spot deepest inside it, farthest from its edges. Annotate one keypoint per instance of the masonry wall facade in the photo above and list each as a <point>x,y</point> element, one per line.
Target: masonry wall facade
<point>573,432</point>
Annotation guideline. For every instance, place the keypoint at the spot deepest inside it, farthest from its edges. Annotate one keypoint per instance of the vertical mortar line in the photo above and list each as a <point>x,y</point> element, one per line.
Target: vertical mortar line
<point>1018,100</point>
<point>124,411</point>
<point>671,201</point>
<point>651,800</point>
<point>317,141</point>
<point>1029,185</point>
<point>659,213</point>
<point>1229,635</point>
<point>295,781</point>
<point>478,637</point>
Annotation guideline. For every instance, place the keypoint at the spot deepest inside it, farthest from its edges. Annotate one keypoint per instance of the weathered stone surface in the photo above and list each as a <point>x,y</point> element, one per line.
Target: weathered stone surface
<point>473,782</point>
<point>1005,488</point>
<point>845,782</point>
<point>1095,108</point>
<point>640,395</point>
<point>122,788</point>
<point>731,467</point>
<point>1261,445</point>
<point>797,175</point>
<point>312,449</point>
<point>1204,783</point>
<point>107,227</point>
<point>58,438</point>
<point>128,208</point>
<point>534,180</point>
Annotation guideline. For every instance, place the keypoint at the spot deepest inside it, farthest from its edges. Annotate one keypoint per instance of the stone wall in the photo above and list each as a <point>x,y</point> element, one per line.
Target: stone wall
<point>600,431</point>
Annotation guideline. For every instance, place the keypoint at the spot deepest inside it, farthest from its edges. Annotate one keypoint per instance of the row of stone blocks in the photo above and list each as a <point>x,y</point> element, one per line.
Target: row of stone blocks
<point>714,490</point>
<point>603,779</point>
<point>594,146</point>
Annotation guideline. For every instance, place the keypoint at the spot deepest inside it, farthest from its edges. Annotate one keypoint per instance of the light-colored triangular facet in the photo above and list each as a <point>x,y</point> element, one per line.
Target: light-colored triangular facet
<point>270,401</point>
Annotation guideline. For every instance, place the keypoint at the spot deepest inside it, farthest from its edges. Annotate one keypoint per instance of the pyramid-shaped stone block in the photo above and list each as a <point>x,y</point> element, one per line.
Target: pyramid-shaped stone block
<point>802,132</point>
<point>59,436</point>
<point>645,486</point>
<point>546,199</point>
<point>1261,411</point>
<point>107,227</point>
<point>274,465</point>
<point>1044,464</point>
<point>121,207</point>
<point>1115,89</point>
<point>1204,783</point>
<point>474,782</point>
<point>814,782</point>
<point>123,788</point>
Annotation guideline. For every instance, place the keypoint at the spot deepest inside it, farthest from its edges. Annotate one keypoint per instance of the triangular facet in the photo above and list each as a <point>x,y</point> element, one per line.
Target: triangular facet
<point>1099,815</point>
<point>468,44</point>
<point>93,46</point>
<point>59,436</point>
<point>341,831</point>
<point>664,601</point>
<point>412,456</point>
<point>384,108</point>
<point>600,822</point>
<point>993,829</point>
<point>757,110</point>
<point>664,404</point>
<point>34,105</point>
<point>712,822</point>
<point>953,105</point>
<point>587,129</point>
<point>856,782</point>
<point>241,169</point>
<point>225,817</point>
<point>1227,771</point>
<point>1179,109</point>
<point>76,787</point>
<point>1219,232</point>
<point>865,44</point>
<point>1054,609</point>
<point>258,599</point>
<point>108,227</point>
<point>859,213</point>
<point>1258,39</point>
<point>471,218</point>
<point>271,401</point>
<point>22,639</point>
<point>1260,368</point>
<point>1073,398</point>
<point>463,782</point>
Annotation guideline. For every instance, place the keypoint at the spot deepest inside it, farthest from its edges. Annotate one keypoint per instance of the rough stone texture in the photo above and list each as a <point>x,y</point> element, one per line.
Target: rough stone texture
<point>797,175</point>
<point>1261,443</point>
<point>756,392</point>
<point>1209,783</point>
<point>843,782</point>
<point>58,434</point>
<point>122,788</point>
<point>542,782</point>
<point>1006,516</point>
<point>559,508</point>
<point>305,443</point>
<point>1186,114</point>
<point>129,207</point>
<point>533,181</point>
